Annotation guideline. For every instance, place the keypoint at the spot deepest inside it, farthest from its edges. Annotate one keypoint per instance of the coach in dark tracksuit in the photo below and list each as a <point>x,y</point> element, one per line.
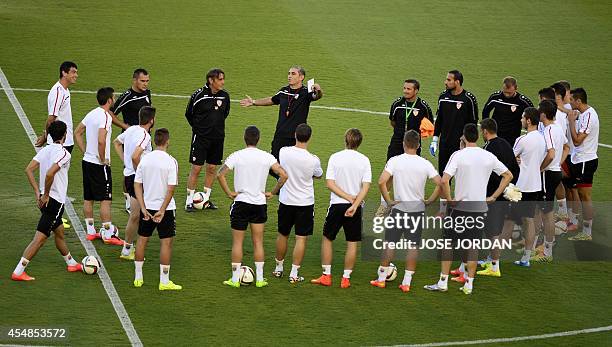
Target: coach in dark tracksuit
<point>456,108</point>
<point>406,113</point>
<point>507,106</point>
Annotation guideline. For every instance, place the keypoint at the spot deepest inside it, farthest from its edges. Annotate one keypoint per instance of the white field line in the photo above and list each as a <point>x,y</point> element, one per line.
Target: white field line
<point>76,223</point>
<point>515,339</point>
<point>334,108</point>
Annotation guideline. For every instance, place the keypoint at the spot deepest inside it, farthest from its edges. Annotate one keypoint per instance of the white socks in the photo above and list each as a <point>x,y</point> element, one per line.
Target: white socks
<point>573,218</point>
<point>235,272</point>
<point>294,271</point>
<point>190,194</point>
<point>127,200</point>
<point>164,274</point>
<point>562,206</point>
<point>462,267</point>
<point>207,192</point>
<point>526,255</point>
<point>138,270</point>
<point>548,248</point>
<point>259,270</point>
<point>469,282</point>
<point>279,265</point>
<point>89,223</point>
<point>495,265</point>
<point>127,248</point>
<point>382,273</point>
<point>326,269</point>
<point>586,226</point>
<point>108,230</point>
<point>443,281</point>
<point>407,278</point>
<point>23,263</point>
<point>69,260</point>
<point>347,273</point>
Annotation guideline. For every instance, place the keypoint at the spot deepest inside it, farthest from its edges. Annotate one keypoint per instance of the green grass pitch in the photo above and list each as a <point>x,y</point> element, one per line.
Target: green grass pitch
<point>360,52</point>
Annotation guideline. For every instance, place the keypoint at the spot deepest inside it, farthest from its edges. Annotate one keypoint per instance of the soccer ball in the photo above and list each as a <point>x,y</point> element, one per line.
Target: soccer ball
<point>392,273</point>
<point>199,199</point>
<point>247,276</point>
<point>90,265</point>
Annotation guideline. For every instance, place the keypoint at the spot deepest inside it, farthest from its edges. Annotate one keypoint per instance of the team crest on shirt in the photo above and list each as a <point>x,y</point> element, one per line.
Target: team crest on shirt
<point>459,104</point>
<point>219,102</point>
<point>415,112</point>
<point>513,108</point>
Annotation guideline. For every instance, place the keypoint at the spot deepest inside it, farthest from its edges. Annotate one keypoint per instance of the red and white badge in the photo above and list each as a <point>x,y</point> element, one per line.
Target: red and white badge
<point>459,104</point>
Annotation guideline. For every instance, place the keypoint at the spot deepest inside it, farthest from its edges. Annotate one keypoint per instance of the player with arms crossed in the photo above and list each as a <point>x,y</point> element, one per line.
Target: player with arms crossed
<point>348,177</point>
<point>251,166</point>
<point>296,201</point>
<point>130,146</point>
<point>53,163</point>
<point>97,179</point>
<point>206,112</point>
<point>154,184</point>
<point>294,103</point>
<point>409,173</point>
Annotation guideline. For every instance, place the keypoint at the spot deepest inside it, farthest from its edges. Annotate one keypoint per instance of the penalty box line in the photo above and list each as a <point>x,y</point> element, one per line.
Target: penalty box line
<point>111,292</point>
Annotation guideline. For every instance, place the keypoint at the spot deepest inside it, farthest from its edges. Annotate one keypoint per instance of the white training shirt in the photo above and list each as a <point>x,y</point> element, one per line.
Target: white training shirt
<point>157,170</point>
<point>587,123</point>
<point>134,137</point>
<point>300,166</point>
<point>251,167</point>
<point>58,105</point>
<point>410,173</point>
<point>96,119</point>
<point>349,169</point>
<point>554,138</point>
<point>46,157</point>
<point>472,168</point>
<point>531,147</point>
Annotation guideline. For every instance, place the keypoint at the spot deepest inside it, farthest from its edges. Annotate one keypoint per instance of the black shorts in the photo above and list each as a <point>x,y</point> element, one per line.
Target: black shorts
<point>409,228</point>
<point>566,174</point>
<point>300,216</point>
<point>51,217</point>
<point>166,228</point>
<point>466,225</point>
<point>205,150</point>
<point>496,215</point>
<point>397,148</point>
<point>97,182</point>
<point>526,207</point>
<point>69,148</point>
<point>278,143</point>
<point>444,155</point>
<point>128,181</point>
<point>550,182</point>
<point>583,173</point>
<point>335,219</point>
<point>243,213</point>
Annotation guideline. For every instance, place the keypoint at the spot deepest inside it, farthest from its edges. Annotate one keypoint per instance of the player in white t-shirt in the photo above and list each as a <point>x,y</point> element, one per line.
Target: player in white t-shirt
<point>53,163</point>
<point>58,105</point>
<point>560,92</point>
<point>251,167</point>
<point>409,174</point>
<point>584,130</point>
<point>97,178</point>
<point>130,146</point>
<point>296,201</point>
<point>154,185</point>
<point>556,143</point>
<point>530,151</point>
<point>348,176</point>
<point>471,166</point>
